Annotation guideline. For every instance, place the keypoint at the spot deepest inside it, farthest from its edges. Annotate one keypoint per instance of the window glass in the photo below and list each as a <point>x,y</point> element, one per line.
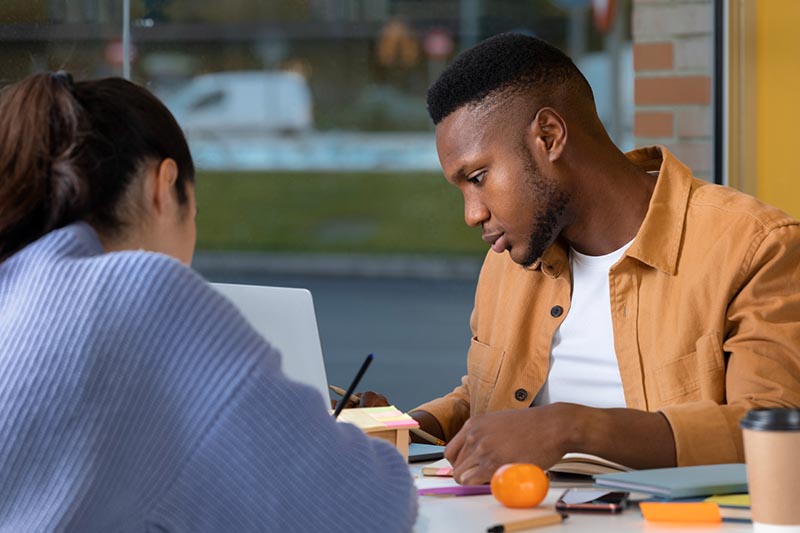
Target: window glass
<point>314,151</point>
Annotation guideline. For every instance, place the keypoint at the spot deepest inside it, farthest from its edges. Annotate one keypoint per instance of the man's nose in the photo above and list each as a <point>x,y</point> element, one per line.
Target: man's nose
<point>475,213</point>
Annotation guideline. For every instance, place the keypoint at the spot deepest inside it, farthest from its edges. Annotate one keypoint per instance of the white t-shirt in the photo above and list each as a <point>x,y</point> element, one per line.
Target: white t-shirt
<point>583,362</point>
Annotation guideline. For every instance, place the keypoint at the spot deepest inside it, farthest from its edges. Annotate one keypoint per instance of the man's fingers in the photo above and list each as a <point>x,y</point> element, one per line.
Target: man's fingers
<point>472,470</point>
<point>349,404</point>
<point>453,448</point>
<point>474,474</point>
<point>366,399</point>
<point>373,399</point>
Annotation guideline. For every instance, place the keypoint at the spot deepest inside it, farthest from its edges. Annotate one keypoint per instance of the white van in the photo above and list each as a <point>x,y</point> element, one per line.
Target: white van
<point>242,103</point>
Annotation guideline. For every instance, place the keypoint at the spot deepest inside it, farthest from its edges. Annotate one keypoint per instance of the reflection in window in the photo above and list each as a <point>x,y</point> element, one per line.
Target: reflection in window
<point>318,102</point>
<point>213,99</point>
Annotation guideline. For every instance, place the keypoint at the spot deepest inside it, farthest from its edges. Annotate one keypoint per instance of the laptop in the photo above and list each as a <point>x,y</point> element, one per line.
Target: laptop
<point>286,318</point>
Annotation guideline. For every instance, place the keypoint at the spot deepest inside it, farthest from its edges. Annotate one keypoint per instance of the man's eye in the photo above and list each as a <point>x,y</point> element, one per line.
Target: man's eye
<point>477,179</point>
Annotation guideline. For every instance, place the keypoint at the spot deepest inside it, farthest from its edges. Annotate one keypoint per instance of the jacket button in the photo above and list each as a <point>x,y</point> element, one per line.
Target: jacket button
<point>556,311</point>
<point>521,395</point>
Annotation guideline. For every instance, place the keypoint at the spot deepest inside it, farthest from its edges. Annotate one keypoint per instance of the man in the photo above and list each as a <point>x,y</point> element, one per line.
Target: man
<point>638,311</point>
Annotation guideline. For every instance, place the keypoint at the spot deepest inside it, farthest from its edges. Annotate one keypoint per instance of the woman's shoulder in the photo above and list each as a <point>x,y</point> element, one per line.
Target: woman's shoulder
<point>161,298</point>
<point>146,270</point>
<point>154,281</point>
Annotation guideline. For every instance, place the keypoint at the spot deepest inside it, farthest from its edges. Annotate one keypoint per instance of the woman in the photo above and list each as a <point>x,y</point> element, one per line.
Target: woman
<point>132,396</point>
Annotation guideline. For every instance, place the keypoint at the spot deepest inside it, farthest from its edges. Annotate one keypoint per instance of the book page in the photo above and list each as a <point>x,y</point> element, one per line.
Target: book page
<point>586,464</point>
<point>571,463</point>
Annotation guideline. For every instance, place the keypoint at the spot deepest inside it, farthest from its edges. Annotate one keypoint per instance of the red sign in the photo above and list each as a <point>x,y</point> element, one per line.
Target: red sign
<point>438,44</point>
<point>114,53</point>
<point>603,12</point>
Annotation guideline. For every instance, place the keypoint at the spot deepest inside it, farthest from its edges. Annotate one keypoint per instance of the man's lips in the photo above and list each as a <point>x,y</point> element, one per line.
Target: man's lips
<point>497,241</point>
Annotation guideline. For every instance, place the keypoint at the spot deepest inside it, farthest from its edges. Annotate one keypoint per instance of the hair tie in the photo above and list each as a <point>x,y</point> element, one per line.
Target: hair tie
<point>63,78</point>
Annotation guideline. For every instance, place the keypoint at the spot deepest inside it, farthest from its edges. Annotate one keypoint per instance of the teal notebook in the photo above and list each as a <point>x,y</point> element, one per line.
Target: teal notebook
<point>681,482</point>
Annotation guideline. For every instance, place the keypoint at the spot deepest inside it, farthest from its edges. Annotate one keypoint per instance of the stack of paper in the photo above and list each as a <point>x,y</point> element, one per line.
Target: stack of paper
<point>386,423</point>
<point>372,419</point>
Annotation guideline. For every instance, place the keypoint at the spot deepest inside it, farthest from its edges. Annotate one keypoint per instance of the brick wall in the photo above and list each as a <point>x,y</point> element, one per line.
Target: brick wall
<point>673,67</point>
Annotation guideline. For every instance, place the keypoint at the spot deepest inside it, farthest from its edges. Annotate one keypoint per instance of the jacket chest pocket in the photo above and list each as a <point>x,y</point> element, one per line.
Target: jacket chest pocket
<point>483,367</point>
<point>699,375</point>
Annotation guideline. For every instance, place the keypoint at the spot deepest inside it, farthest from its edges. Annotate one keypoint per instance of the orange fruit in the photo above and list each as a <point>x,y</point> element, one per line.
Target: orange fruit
<point>520,485</point>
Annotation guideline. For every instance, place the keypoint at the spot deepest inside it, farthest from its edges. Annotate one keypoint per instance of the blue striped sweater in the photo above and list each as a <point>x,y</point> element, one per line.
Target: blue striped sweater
<point>134,398</point>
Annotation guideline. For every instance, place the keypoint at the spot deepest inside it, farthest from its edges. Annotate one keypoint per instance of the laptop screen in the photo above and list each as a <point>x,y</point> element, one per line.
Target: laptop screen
<point>286,318</point>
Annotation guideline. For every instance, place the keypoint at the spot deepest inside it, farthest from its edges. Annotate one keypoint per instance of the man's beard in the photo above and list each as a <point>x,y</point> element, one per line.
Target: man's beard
<point>554,203</point>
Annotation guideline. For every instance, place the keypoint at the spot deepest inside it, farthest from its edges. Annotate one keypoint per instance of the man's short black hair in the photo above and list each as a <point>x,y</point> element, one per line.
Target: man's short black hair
<point>503,63</point>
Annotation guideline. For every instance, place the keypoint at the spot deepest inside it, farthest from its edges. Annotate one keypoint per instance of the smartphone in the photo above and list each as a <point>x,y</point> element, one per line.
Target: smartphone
<point>597,500</point>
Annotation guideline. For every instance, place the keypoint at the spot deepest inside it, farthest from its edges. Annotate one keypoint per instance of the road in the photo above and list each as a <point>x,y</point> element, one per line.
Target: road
<point>417,329</point>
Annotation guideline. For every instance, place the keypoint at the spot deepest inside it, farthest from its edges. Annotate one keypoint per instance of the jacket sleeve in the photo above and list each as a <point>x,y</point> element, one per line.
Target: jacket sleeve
<point>472,395</point>
<point>762,348</point>
<point>452,410</point>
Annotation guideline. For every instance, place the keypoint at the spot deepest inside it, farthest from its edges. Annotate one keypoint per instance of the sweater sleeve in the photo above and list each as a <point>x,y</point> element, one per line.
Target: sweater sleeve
<point>275,460</point>
<point>241,446</point>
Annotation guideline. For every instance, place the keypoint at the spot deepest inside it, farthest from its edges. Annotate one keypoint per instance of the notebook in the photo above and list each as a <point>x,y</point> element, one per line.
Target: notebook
<point>286,318</point>
<point>578,464</point>
<point>418,452</point>
<point>681,482</point>
<point>585,464</point>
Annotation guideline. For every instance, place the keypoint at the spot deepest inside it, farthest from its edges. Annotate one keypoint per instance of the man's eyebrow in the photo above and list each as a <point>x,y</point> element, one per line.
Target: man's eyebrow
<point>460,174</point>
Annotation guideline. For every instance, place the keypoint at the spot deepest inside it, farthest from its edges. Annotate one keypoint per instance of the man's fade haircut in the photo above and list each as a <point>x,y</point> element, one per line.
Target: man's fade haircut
<point>505,64</point>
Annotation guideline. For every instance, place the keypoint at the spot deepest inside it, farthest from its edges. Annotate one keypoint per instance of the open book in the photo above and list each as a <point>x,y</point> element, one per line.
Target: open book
<point>586,465</point>
<point>576,464</point>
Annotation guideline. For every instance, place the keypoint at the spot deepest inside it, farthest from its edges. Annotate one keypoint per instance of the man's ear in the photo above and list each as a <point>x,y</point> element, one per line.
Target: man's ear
<point>166,175</point>
<point>548,134</point>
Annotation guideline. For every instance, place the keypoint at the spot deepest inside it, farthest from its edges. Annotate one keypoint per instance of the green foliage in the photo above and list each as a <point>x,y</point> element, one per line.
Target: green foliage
<point>386,213</point>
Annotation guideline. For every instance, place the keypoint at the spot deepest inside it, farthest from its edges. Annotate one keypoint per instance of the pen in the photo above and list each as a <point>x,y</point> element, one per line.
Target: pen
<point>416,431</point>
<point>353,385</point>
<point>340,391</point>
<point>428,437</point>
<point>547,520</point>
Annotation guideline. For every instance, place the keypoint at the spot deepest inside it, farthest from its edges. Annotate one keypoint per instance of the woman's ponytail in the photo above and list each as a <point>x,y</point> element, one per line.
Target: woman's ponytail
<point>41,186</point>
<point>71,152</point>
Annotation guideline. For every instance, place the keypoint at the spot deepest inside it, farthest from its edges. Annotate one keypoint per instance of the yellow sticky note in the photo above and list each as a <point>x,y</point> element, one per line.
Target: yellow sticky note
<point>680,512</point>
<point>731,500</point>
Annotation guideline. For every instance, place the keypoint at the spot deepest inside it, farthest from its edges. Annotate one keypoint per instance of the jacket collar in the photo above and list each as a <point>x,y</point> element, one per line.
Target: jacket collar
<point>658,241</point>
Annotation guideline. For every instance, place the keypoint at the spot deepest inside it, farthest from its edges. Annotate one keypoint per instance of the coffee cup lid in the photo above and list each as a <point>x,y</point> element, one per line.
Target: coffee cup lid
<point>772,420</point>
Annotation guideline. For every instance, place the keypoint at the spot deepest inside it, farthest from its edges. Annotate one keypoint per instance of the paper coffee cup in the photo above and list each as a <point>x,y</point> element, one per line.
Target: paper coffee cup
<point>772,453</point>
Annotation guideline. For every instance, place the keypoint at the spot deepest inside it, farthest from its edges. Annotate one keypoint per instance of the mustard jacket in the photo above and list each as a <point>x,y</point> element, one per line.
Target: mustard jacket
<point>705,306</point>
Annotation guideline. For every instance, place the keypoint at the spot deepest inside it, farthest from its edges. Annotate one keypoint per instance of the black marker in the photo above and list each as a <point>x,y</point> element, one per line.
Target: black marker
<point>353,385</point>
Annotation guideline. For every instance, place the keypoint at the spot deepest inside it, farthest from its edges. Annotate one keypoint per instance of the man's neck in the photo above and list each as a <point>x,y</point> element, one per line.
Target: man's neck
<point>611,203</point>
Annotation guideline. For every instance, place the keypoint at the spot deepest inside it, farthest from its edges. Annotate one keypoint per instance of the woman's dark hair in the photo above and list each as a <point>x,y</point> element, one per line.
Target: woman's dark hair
<point>70,151</point>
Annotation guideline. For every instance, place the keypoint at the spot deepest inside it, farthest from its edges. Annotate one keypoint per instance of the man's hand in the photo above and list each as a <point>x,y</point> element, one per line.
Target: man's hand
<point>542,435</point>
<point>537,435</point>
<point>365,399</point>
<point>373,399</point>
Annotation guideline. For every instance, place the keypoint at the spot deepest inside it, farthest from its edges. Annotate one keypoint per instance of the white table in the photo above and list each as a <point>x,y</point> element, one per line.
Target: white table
<point>477,513</point>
